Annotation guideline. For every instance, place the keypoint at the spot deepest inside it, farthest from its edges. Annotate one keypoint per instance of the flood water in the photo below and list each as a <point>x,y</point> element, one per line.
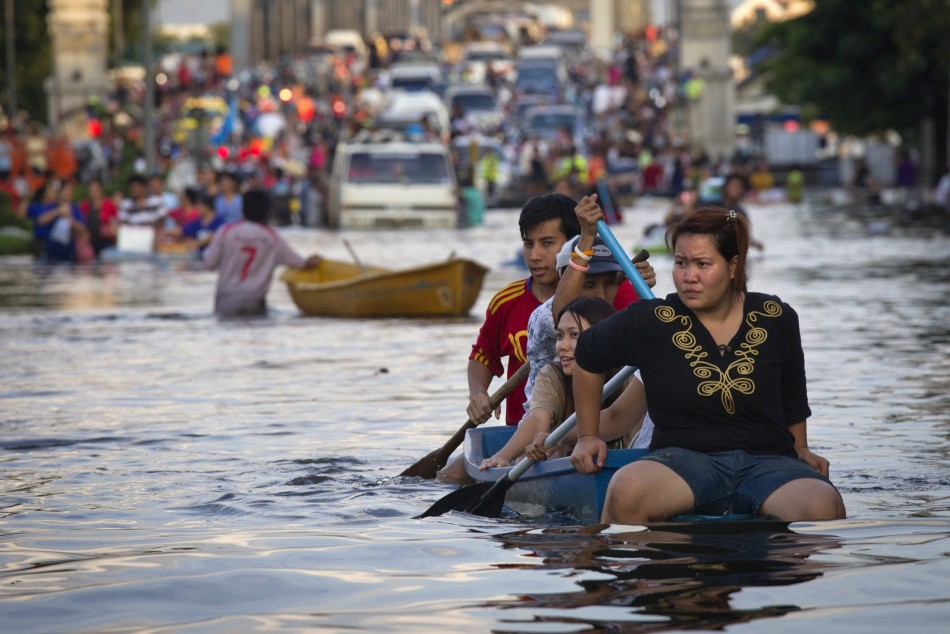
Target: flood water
<point>164,471</point>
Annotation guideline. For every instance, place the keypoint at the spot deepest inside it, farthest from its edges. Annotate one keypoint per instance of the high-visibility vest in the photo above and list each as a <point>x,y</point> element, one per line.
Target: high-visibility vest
<point>567,164</point>
<point>489,165</point>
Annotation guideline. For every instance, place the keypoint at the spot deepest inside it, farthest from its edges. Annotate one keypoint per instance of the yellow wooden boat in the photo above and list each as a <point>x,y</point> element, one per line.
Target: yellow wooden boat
<point>340,289</point>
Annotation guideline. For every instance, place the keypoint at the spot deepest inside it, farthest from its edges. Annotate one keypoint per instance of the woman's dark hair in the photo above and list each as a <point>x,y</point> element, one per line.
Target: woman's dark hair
<point>729,231</point>
<point>549,207</point>
<point>191,195</point>
<point>40,192</point>
<point>735,176</point>
<point>593,309</point>
<point>205,199</point>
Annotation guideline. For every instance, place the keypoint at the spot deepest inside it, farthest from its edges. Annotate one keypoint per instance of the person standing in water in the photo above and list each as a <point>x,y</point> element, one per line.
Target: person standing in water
<point>245,254</point>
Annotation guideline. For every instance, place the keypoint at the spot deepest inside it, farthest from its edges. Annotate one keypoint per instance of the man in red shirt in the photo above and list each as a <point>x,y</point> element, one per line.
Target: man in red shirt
<point>546,223</point>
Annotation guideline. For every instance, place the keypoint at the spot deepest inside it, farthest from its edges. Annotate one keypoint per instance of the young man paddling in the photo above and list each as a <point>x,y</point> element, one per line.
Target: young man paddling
<point>547,222</point>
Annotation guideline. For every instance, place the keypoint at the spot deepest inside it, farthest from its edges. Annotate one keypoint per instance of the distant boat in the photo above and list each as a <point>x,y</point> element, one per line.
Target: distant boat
<point>138,243</point>
<point>653,240</point>
<point>340,289</point>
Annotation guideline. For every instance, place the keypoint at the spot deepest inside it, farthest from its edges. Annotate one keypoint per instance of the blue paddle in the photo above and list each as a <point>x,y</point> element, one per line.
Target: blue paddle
<point>627,265</point>
<point>487,499</point>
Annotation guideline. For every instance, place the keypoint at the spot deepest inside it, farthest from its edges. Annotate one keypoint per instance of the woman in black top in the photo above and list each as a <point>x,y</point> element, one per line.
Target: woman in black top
<point>724,374</point>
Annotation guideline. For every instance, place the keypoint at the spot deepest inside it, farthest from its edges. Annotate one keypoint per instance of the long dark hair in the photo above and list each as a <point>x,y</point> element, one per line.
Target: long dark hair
<point>593,309</point>
<point>729,231</point>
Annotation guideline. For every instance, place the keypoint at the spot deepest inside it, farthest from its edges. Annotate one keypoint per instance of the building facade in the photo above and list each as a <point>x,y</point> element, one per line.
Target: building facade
<point>79,32</point>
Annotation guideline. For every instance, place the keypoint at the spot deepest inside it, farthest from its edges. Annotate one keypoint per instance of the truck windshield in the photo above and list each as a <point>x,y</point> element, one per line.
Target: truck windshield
<point>416,168</point>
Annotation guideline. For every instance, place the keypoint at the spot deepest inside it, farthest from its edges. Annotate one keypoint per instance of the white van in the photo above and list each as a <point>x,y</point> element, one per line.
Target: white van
<point>393,185</point>
<point>403,109</point>
<point>346,40</point>
<point>413,76</point>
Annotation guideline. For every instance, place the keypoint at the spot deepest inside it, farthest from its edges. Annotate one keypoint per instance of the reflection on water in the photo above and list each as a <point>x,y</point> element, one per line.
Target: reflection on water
<point>713,575</point>
<point>163,470</point>
<point>674,576</point>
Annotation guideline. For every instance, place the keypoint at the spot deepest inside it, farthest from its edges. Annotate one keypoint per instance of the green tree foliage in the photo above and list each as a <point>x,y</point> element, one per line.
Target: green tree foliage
<point>867,66</point>
<point>34,50</point>
<point>33,56</point>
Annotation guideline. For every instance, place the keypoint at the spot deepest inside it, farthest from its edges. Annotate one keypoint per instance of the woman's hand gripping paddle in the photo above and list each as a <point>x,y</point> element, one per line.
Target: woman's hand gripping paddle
<point>488,498</point>
<point>428,466</point>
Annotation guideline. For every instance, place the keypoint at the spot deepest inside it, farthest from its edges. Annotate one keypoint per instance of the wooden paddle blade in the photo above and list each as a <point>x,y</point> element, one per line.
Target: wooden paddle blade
<point>426,467</point>
<point>458,500</point>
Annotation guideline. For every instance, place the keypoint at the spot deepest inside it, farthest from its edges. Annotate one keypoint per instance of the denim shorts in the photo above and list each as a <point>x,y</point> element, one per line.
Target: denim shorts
<point>732,481</point>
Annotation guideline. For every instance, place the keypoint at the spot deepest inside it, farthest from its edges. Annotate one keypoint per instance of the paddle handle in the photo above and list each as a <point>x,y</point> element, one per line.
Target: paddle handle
<point>509,386</point>
<point>562,430</point>
<point>635,278</point>
<point>356,259</point>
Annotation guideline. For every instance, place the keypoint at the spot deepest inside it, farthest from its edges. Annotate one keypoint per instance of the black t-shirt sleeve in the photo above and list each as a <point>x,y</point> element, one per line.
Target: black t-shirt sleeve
<point>794,391</point>
<point>609,343</point>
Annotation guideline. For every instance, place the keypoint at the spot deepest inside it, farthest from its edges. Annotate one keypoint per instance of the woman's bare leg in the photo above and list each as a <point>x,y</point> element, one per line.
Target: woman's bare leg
<point>646,491</point>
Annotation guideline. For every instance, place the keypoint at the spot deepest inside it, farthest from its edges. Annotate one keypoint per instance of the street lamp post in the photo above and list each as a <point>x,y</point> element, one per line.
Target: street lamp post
<point>118,33</point>
<point>149,123</point>
<point>11,61</point>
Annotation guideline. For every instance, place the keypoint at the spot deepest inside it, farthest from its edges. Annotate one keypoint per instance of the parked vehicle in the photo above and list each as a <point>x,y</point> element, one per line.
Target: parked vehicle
<point>380,184</point>
<point>542,69</point>
<point>540,78</point>
<point>520,105</point>
<point>478,58</point>
<point>572,41</point>
<point>546,122</point>
<point>414,76</point>
<point>405,109</point>
<point>478,104</point>
<point>346,40</point>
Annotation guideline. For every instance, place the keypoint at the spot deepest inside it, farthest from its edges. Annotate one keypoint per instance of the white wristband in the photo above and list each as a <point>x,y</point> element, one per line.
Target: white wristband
<point>582,256</point>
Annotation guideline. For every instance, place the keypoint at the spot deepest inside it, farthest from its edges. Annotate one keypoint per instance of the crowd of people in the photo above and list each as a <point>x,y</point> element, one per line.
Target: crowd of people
<point>275,126</point>
<point>720,401</point>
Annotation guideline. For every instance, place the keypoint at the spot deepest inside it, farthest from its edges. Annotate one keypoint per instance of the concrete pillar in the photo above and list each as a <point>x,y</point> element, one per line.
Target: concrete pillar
<point>79,31</point>
<point>602,25</point>
<point>372,18</point>
<point>240,11</point>
<point>705,49</point>
<point>415,18</point>
<point>318,20</point>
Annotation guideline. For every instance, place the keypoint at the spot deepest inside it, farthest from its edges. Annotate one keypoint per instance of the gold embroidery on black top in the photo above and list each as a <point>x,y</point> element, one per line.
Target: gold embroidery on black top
<point>737,375</point>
